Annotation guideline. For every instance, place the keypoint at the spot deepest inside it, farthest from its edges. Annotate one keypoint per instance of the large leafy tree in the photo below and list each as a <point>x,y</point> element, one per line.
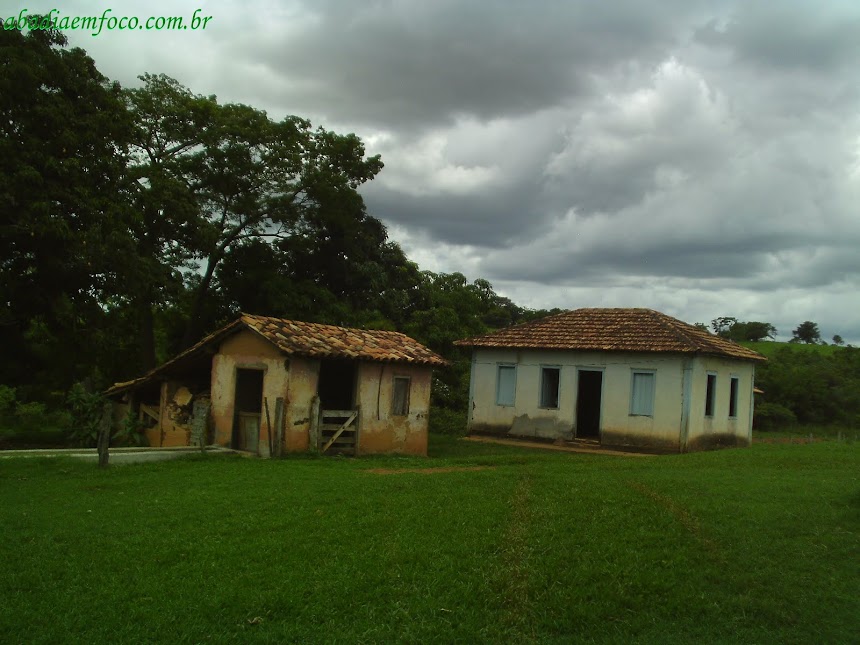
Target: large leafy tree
<point>163,236</point>
<point>63,133</point>
<point>212,177</point>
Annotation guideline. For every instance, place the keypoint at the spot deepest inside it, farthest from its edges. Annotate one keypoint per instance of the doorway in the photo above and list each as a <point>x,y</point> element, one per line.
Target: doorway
<point>337,385</point>
<point>248,406</point>
<point>588,399</point>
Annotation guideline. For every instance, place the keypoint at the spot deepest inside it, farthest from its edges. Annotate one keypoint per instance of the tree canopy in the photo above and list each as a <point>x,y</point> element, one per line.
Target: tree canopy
<point>807,332</point>
<point>63,138</point>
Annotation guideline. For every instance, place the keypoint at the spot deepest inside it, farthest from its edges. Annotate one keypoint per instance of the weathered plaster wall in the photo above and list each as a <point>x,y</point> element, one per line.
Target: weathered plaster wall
<point>720,430</point>
<point>379,430</point>
<point>246,350</point>
<point>618,427</point>
<point>302,387</point>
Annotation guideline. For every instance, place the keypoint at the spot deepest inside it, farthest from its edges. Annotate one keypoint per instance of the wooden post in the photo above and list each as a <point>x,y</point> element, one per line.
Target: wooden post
<point>269,427</point>
<point>315,423</point>
<point>279,426</point>
<point>357,430</point>
<point>103,443</point>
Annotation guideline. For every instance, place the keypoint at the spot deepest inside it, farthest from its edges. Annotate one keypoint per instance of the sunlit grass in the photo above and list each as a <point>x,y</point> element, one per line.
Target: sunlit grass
<point>752,545</point>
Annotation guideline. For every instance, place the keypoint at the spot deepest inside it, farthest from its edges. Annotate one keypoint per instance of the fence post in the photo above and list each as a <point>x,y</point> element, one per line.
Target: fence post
<point>279,426</point>
<point>103,443</point>
<point>315,423</point>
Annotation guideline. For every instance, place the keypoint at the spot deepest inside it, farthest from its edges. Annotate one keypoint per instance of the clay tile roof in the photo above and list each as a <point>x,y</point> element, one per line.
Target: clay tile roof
<point>613,330</point>
<point>305,339</point>
<point>327,341</point>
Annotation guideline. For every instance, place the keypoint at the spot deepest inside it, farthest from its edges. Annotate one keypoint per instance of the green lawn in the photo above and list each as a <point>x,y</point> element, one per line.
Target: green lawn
<point>751,545</point>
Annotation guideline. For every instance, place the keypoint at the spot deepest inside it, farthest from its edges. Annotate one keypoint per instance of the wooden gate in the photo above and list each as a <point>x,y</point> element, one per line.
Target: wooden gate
<point>338,431</point>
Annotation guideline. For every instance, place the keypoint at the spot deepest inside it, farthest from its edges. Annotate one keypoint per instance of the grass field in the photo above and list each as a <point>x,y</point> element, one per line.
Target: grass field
<point>498,544</point>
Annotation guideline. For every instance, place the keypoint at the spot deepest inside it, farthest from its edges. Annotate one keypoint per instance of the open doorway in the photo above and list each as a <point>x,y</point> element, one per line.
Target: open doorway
<point>588,399</point>
<point>337,385</point>
<point>248,409</point>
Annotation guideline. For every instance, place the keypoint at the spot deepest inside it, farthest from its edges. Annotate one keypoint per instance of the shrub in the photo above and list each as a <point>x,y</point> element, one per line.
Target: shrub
<point>447,421</point>
<point>773,416</point>
<point>87,408</point>
<point>7,400</point>
<point>131,432</point>
<point>30,416</point>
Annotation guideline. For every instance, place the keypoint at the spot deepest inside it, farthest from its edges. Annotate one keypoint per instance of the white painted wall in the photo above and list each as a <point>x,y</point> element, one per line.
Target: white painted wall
<point>662,430</point>
<point>720,428</point>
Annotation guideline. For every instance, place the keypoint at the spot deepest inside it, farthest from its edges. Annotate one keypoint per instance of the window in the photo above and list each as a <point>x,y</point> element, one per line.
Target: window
<point>710,395</point>
<point>549,378</point>
<point>733,396</point>
<point>400,397</point>
<point>642,394</point>
<point>506,385</point>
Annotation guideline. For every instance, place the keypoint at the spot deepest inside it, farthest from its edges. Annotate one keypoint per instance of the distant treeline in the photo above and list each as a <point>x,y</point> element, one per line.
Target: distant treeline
<point>810,387</point>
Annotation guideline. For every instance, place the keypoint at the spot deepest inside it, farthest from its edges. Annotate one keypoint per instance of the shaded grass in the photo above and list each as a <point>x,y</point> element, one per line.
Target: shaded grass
<point>754,545</point>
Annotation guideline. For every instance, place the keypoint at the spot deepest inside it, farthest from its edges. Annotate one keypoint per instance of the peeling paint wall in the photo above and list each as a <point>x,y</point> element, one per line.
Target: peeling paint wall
<point>668,429</point>
<point>296,379</point>
<point>302,387</point>
<point>246,350</point>
<point>379,430</point>
<point>526,418</point>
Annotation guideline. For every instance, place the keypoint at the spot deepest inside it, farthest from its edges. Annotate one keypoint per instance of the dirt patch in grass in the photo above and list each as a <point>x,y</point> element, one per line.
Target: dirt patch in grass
<point>427,471</point>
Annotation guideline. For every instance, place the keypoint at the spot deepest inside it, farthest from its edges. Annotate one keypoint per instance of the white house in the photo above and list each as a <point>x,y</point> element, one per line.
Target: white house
<point>623,377</point>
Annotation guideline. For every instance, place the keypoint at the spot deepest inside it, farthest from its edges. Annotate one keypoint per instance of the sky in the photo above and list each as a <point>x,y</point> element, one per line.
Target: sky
<point>698,158</point>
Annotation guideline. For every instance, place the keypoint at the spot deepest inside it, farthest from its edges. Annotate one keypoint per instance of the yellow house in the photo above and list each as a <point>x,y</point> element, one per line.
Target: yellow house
<point>268,385</point>
<point>620,377</point>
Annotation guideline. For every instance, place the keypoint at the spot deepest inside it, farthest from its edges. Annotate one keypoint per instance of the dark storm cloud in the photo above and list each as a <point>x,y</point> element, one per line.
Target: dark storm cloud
<point>701,158</point>
<point>415,64</point>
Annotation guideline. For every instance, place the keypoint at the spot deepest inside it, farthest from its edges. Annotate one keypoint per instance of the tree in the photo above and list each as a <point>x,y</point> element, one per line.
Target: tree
<point>231,174</point>
<point>753,331</point>
<point>63,135</point>
<point>166,232</point>
<point>837,340</point>
<point>723,325</point>
<point>807,332</point>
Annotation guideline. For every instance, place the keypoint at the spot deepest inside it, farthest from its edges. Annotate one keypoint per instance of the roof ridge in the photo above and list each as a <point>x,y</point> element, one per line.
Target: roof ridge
<point>680,332</point>
<point>634,329</point>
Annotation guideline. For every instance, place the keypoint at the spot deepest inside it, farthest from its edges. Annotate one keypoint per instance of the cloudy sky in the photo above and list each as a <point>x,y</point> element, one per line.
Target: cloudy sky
<point>699,158</point>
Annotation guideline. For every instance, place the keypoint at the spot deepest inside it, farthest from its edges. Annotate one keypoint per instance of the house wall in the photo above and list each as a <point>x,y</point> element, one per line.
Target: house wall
<point>618,427</point>
<point>302,388</point>
<point>248,351</point>
<point>678,422</point>
<point>720,430</point>
<point>296,379</point>
<point>379,430</point>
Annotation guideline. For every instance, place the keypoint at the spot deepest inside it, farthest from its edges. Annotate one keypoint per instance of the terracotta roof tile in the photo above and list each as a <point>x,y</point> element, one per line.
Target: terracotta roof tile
<point>613,330</point>
<point>329,341</point>
<point>294,337</point>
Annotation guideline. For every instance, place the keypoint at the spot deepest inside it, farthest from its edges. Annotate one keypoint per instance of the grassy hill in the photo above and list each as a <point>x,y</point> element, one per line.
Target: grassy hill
<point>769,348</point>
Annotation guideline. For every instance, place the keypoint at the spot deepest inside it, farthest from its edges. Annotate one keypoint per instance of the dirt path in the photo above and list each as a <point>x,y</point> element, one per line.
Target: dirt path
<point>569,446</point>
